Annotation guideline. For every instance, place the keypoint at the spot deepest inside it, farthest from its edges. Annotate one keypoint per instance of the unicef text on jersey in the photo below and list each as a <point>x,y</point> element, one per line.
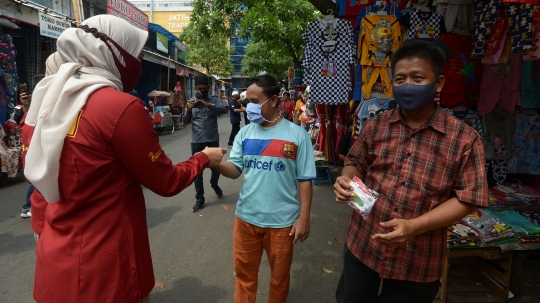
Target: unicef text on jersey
<point>266,165</point>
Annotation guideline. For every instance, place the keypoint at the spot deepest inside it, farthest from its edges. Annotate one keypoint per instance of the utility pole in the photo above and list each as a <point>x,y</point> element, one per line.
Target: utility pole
<point>152,11</point>
<point>78,11</point>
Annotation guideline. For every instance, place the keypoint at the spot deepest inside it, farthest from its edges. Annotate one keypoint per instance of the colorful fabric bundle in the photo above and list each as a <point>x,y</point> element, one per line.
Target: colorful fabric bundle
<point>461,235</point>
<point>531,216</point>
<point>490,229</point>
<point>524,228</point>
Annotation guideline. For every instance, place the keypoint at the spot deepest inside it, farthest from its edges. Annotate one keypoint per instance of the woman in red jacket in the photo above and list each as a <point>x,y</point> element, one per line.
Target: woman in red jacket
<point>89,163</point>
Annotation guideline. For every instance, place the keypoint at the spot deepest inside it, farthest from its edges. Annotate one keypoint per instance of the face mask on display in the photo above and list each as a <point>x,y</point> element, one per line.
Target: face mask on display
<point>412,97</point>
<point>254,113</point>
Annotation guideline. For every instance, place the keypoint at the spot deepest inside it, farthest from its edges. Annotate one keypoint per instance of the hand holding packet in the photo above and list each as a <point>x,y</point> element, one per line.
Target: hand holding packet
<point>364,197</point>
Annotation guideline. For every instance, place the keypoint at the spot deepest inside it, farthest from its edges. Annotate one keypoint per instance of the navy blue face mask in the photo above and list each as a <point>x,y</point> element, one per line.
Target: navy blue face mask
<point>412,97</point>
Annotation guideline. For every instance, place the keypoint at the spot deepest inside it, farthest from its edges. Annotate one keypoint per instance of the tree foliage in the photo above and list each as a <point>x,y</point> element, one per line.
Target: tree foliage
<point>263,56</point>
<point>207,46</point>
<point>276,25</point>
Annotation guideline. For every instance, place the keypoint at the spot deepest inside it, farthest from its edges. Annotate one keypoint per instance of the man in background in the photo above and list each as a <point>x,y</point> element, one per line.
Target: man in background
<point>236,108</point>
<point>204,132</point>
<point>287,106</point>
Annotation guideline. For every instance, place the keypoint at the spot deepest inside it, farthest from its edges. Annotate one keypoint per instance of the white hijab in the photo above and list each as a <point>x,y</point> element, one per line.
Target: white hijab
<point>88,65</point>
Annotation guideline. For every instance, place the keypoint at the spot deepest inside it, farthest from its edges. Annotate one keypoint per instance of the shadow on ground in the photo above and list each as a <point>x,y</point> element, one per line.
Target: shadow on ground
<point>187,289</point>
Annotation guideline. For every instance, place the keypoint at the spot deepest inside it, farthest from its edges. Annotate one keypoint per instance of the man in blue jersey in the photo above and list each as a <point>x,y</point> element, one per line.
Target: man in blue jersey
<point>277,160</point>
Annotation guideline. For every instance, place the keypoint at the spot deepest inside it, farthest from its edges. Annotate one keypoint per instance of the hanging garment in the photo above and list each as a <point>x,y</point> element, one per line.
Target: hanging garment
<point>526,152</point>
<point>380,37</point>
<point>372,10</point>
<point>498,137</point>
<point>520,25</point>
<point>500,28</point>
<point>504,47</point>
<point>530,84</point>
<point>9,157</point>
<point>470,117</point>
<point>461,71</point>
<point>354,7</point>
<point>485,18</point>
<point>456,13</point>
<point>9,68</point>
<point>328,56</point>
<point>423,24</point>
<point>501,85</point>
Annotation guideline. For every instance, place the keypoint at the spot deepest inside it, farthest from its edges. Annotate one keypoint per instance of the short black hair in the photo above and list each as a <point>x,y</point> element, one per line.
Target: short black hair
<point>203,79</point>
<point>268,83</point>
<point>421,49</point>
<point>287,93</point>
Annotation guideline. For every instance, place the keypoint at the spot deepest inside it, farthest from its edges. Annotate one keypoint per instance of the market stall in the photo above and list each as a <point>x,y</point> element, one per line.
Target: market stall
<point>492,73</point>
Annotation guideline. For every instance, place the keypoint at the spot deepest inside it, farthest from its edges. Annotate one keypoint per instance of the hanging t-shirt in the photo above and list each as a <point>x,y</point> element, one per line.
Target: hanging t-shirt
<point>328,56</point>
<point>501,85</point>
<point>485,17</point>
<point>530,84</point>
<point>498,135</point>
<point>461,71</point>
<point>374,107</point>
<point>470,117</point>
<point>456,13</point>
<point>354,7</point>
<point>372,10</point>
<point>423,24</point>
<point>526,152</point>
<point>520,25</point>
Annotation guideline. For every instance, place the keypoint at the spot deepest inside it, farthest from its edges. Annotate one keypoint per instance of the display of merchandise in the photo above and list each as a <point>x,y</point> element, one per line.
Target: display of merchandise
<point>373,10</point>
<point>461,235</point>
<point>423,24</point>
<point>523,228</point>
<point>513,195</point>
<point>530,84</point>
<point>498,137</point>
<point>379,38</point>
<point>531,216</point>
<point>9,157</point>
<point>485,17</point>
<point>462,72</point>
<point>328,58</point>
<point>457,14</point>
<point>526,152</point>
<point>520,25</point>
<point>9,71</point>
<point>489,228</point>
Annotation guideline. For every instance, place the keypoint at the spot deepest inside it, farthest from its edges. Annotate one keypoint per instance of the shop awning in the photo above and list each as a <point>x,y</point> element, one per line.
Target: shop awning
<point>160,29</point>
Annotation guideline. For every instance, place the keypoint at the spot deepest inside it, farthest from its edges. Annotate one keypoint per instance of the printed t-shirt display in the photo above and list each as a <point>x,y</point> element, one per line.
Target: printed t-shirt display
<point>501,85</point>
<point>526,154</point>
<point>498,135</point>
<point>328,56</point>
<point>423,24</point>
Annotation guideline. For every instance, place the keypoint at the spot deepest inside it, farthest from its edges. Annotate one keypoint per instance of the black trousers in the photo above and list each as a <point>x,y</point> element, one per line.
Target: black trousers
<point>235,129</point>
<point>199,188</point>
<point>360,284</point>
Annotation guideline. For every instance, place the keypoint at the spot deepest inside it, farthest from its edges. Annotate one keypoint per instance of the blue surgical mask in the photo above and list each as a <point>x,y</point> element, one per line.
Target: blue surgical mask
<point>412,97</point>
<point>254,113</point>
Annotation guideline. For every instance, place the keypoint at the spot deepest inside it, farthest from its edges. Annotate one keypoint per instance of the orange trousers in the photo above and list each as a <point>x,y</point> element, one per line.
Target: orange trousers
<point>248,244</point>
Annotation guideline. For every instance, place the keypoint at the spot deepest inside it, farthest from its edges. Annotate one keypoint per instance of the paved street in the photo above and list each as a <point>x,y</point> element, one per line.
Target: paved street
<point>192,252</point>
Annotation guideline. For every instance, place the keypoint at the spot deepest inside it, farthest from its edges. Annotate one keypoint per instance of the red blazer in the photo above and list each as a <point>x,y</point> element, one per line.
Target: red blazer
<point>94,242</point>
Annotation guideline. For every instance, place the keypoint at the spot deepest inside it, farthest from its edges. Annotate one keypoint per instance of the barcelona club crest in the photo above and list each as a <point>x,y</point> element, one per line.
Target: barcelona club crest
<point>288,149</point>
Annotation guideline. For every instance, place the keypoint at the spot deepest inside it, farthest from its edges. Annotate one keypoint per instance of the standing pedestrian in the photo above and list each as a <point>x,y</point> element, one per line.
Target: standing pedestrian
<point>236,108</point>
<point>428,168</point>
<point>245,102</point>
<point>278,163</point>
<point>204,133</point>
<point>287,106</point>
<point>88,165</point>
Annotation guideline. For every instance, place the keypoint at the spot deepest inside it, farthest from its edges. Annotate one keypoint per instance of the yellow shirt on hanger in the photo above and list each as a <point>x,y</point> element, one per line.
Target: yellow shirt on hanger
<point>380,36</point>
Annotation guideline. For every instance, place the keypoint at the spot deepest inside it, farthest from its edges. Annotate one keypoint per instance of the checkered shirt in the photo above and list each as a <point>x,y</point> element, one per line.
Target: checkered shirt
<point>428,23</point>
<point>325,89</point>
<point>414,171</point>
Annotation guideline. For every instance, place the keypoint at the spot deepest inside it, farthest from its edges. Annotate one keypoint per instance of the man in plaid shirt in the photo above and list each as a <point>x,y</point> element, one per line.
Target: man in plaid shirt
<point>428,168</point>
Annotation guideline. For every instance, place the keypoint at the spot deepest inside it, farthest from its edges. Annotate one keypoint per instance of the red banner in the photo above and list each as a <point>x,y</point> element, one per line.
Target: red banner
<point>128,12</point>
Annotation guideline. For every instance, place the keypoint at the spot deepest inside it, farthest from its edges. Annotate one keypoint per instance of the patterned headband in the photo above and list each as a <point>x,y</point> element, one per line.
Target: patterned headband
<point>94,32</point>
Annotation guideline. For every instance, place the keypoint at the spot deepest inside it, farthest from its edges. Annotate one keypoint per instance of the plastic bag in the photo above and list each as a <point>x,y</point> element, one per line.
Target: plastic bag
<point>364,197</point>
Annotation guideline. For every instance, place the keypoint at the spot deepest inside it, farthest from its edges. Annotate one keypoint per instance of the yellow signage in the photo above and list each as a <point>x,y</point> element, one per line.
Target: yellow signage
<point>174,22</point>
